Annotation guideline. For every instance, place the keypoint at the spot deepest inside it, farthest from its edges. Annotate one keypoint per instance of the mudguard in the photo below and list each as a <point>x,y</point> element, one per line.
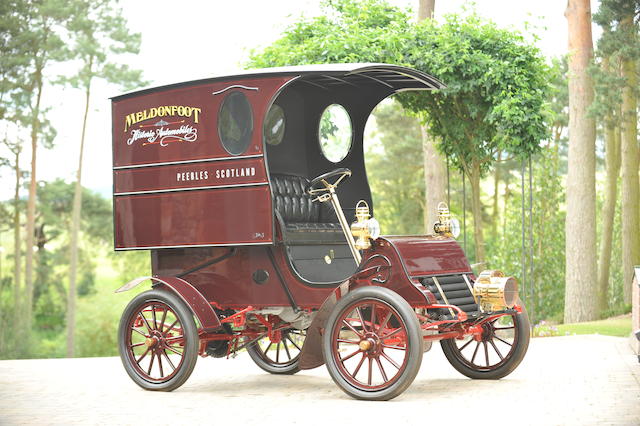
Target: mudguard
<point>200,307</point>
<point>311,354</point>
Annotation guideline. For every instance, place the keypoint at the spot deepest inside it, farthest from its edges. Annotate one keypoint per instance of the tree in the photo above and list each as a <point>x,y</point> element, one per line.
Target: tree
<point>435,178</point>
<point>100,32</point>
<point>495,100</point>
<point>497,81</point>
<point>31,45</point>
<point>620,42</point>
<point>397,191</point>
<point>580,226</point>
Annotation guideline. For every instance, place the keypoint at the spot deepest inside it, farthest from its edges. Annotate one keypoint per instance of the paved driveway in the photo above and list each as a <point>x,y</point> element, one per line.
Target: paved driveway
<point>573,380</point>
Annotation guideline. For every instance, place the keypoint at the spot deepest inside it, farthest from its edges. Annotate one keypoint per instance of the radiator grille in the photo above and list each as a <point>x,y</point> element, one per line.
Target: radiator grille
<point>456,292</point>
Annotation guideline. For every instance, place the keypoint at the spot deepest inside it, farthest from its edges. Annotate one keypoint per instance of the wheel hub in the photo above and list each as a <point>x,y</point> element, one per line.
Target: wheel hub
<point>150,342</point>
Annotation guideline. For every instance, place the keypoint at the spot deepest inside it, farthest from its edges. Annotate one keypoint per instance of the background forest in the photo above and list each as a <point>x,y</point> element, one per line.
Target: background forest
<point>546,191</point>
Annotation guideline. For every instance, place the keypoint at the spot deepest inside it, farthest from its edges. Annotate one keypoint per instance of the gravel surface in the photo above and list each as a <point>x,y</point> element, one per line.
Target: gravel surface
<point>573,380</point>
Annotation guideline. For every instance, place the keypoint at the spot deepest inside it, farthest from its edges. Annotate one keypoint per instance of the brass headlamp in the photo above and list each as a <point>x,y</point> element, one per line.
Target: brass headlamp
<point>365,228</point>
<point>446,225</point>
<point>494,292</point>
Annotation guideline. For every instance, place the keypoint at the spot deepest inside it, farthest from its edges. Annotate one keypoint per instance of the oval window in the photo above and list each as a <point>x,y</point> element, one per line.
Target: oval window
<point>235,123</point>
<point>335,133</point>
<point>274,125</point>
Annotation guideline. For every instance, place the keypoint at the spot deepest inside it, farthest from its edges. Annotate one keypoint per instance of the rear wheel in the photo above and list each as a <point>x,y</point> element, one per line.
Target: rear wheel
<point>158,341</point>
<point>372,344</point>
<point>281,356</point>
<point>497,353</point>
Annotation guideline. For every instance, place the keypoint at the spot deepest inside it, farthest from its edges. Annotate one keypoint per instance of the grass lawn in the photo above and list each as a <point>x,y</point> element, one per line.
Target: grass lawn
<point>615,326</point>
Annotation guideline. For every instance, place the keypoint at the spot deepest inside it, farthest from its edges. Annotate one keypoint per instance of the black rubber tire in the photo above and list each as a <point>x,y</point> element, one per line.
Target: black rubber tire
<point>269,366</point>
<point>456,359</point>
<point>414,342</point>
<point>190,332</point>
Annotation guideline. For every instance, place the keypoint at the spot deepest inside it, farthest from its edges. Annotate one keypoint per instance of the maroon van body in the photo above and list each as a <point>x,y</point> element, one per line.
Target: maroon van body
<point>237,239</point>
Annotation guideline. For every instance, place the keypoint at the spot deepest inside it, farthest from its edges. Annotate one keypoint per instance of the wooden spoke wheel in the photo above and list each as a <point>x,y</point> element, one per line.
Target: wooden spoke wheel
<point>372,344</point>
<point>498,351</point>
<point>280,356</point>
<point>158,340</point>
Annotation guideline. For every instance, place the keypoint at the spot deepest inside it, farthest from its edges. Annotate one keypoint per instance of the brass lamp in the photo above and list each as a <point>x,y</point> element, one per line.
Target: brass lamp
<point>365,228</point>
<point>493,291</point>
<point>446,225</point>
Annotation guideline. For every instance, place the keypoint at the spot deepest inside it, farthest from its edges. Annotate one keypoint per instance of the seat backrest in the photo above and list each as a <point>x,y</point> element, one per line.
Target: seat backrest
<point>291,200</point>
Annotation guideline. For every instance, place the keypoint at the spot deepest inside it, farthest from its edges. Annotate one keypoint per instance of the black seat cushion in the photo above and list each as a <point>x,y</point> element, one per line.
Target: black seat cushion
<point>306,222</point>
<point>291,200</point>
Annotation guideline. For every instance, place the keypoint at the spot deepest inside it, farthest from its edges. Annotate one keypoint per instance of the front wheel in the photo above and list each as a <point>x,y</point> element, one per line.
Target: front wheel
<point>372,344</point>
<point>158,340</point>
<point>498,351</point>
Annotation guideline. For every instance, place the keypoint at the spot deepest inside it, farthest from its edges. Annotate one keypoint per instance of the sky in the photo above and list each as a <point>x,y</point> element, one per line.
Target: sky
<point>192,39</point>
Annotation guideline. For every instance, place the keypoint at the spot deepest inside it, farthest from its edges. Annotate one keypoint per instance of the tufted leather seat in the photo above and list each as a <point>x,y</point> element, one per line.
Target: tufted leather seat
<point>306,222</point>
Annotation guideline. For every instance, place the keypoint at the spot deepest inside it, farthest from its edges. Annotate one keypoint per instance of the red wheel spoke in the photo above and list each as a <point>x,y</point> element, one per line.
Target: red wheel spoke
<point>351,327</point>
<point>370,371</point>
<point>352,342</point>
<point>174,351</point>
<point>278,353</point>
<point>173,339</point>
<point>486,353</point>
<point>142,356</point>
<point>475,352</point>
<point>160,365</point>
<point>164,317</point>
<point>153,313</point>
<point>384,374</point>
<point>136,345</point>
<point>286,349</point>
<point>171,326</point>
<point>395,364</point>
<point>145,321</point>
<point>373,317</point>
<point>402,348</point>
<point>293,343</point>
<point>465,345</point>
<point>168,359</point>
<point>153,355</point>
<point>268,347</point>
<point>355,372</point>
<point>384,322</point>
<point>496,349</point>
<point>139,332</point>
<point>393,333</point>
<point>351,356</point>
<point>364,327</point>
<point>503,341</point>
<point>504,328</point>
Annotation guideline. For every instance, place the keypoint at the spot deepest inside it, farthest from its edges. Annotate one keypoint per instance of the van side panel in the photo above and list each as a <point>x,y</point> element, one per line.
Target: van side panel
<point>175,185</point>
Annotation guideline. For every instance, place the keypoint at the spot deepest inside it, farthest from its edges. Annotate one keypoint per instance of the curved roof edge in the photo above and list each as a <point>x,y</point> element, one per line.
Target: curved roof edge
<point>396,77</point>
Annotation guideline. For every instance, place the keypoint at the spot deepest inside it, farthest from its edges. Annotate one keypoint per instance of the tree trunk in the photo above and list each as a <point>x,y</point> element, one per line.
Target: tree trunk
<point>435,168</point>
<point>580,226</point>
<point>17,246</point>
<point>75,229</point>
<point>435,180</point>
<point>476,208</point>
<point>31,205</point>
<point>426,9</point>
<point>612,144</point>
<point>629,173</point>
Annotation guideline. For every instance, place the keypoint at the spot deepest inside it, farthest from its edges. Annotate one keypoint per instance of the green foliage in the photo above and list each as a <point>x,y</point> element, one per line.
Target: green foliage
<point>505,249</point>
<point>398,192</point>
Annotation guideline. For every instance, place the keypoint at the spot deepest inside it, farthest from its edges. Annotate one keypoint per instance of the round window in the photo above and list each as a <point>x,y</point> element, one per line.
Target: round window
<point>335,133</point>
<point>235,123</point>
<point>274,125</point>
